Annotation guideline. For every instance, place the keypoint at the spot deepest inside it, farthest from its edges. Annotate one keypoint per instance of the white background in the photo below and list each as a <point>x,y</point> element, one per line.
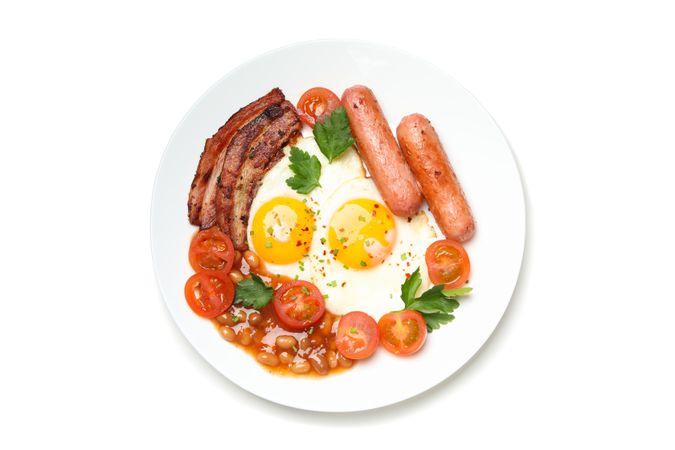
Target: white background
<point>89,96</point>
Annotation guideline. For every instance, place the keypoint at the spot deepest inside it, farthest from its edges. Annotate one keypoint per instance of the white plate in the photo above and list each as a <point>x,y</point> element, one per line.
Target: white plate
<point>482,160</point>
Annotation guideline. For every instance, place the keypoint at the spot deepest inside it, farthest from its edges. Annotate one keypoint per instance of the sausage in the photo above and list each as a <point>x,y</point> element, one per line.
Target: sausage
<point>429,162</point>
<point>379,151</point>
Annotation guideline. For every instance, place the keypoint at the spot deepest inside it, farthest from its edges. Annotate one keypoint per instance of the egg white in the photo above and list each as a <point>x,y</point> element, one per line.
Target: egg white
<point>346,167</point>
<point>377,290</point>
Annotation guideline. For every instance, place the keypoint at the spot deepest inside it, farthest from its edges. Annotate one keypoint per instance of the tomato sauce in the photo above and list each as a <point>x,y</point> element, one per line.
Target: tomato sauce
<point>312,352</point>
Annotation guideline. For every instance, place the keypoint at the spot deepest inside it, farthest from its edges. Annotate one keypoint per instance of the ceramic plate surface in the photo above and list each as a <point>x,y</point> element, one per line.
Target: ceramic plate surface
<point>479,154</point>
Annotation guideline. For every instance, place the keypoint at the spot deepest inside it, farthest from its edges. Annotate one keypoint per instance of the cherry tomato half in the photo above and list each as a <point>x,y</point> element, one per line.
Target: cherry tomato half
<point>211,250</point>
<point>402,333</point>
<point>357,335</point>
<point>448,263</point>
<point>299,305</point>
<point>316,104</point>
<point>209,293</point>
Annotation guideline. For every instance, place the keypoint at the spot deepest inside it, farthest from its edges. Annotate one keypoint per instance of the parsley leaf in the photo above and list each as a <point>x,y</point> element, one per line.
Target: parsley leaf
<point>433,301</point>
<point>458,292</point>
<point>253,293</point>
<point>306,170</point>
<point>334,135</point>
<point>410,287</point>
<point>435,304</point>
<point>435,320</point>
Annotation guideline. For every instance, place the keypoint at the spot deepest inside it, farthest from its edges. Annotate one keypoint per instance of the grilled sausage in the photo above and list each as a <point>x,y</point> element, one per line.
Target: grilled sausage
<point>429,162</point>
<point>379,150</point>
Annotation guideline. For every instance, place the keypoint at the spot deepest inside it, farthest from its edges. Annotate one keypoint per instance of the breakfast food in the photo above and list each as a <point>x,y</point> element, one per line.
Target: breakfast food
<point>380,152</point>
<point>429,162</point>
<point>253,159</point>
<point>211,162</point>
<point>235,159</point>
<point>332,262</point>
<point>362,251</point>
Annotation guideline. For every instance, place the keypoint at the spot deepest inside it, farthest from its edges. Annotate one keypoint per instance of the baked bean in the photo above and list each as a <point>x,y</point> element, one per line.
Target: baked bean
<point>237,258</point>
<point>286,342</point>
<point>344,362</point>
<point>304,344</point>
<point>319,364</point>
<point>286,357</point>
<point>251,259</point>
<point>331,357</point>
<point>224,319</point>
<point>315,340</point>
<point>267,358</point>
<point>241,317</point>
<point>300,367</point>
<point>227,333</point>
<point>231,319</point>
<point>258,336</point>
<point>245,337</point>
<point>325,324</point>
<point>236,276</point>
<point>255,318</point>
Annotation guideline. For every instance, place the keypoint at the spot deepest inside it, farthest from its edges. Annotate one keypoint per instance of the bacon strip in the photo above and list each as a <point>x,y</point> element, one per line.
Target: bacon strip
<point>264,154</point>
<point>218,197</point>
<point>215,146</point>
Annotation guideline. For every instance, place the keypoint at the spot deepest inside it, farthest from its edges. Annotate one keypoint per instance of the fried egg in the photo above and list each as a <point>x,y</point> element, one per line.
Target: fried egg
<point>283,222</point>
<point>362,253</point>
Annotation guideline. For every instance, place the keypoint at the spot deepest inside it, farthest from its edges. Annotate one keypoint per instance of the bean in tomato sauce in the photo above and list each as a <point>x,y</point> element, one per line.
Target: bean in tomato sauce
<point>312,352</point>
<point>259,333</point>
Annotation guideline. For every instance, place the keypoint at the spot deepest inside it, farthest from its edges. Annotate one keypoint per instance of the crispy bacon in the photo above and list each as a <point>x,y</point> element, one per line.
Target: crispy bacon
<point>218,196</point>
<point>235,160</point>
<point>214,147</point>
<point>266,152</point>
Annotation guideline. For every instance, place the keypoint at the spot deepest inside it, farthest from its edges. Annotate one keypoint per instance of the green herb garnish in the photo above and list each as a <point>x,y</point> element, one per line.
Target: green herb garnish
<point>334,135</point>
<point>253,293</point>
<point>436,304</point>
<point>306,171</point>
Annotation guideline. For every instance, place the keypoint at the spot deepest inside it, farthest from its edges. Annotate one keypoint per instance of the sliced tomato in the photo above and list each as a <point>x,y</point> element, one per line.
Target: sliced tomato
<point>402,333</point>
<point>209,293</point>
<point>448,263</point>
<point>211,250</point>
<point>299,305</point>
<point>316,104</point>
<point>357,335</point>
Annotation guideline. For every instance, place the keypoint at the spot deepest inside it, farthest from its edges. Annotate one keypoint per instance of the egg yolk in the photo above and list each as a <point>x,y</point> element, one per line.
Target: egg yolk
<point>362,233</point>
<point>282,230</point>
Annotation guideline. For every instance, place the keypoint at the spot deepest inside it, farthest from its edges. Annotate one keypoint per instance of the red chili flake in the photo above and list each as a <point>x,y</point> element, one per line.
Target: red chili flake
<point>324,253</point>
<point>409,219</point>
<point>374,213</point>
<point>343,283</point>
<point>341,230</point>
<point>376,205</point>
<point>298,244</point>
<point>407,275</point>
